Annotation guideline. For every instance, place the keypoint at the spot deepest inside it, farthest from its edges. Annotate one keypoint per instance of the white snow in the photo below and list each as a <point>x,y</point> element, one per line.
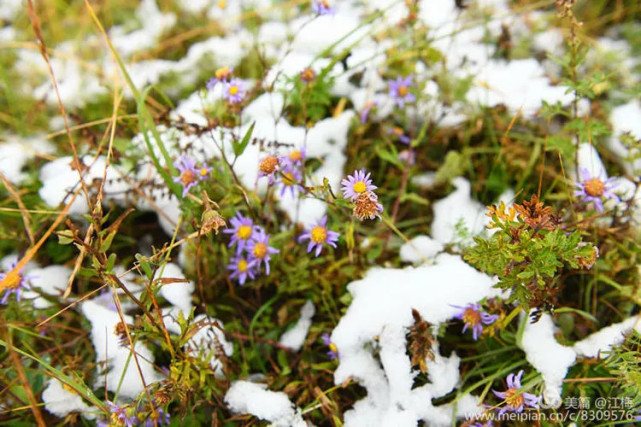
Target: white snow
<point>604,340</point>
<point>547,356</point>
<point>379,315</point>
<point>457,207</point>
<point>626,118</point>
<point>51,280</point>
<point>16,152</point>
<point>60,401</point>
<point>179,292</point>
<point>119,360</point>
<point>59,179</point>
<point>295,337</point>
<point>519,84</point>
<point>420,248</point>
<point>244,397</point>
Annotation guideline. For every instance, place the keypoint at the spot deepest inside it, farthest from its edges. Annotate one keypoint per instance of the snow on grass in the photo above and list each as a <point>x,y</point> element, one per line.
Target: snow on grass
<point>154,24</point>
<point>16,152</point>
<point>552,359</point>
<point>208,340</point>
<point>51,280</point>
<point>606,339</point>
<point>626,118</point>
<point>519,84</point>
<point>547,356</point>
<point>61,401</point>
<point>244,397</point>
<point>378,318</point>
<point>295,337</point>
<point>59,179</point>
<point>458,207</point>
<point>179,292</point>
<point>420,248</point>
<point>118,359</point>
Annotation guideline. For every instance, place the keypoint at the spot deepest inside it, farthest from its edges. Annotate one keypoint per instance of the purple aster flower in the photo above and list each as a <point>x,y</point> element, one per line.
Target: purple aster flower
<point>333,350</point>
<point>222,75</point>
<point>203,172</point>
<point>322,7</point>
<point>366,109</point>
<point>163,418</point>
<point>242,231</point>
<point>318,235</point>
<point>399,89</point>
<point>289,180</point>
<point>234,91</point>
<point>188,174</point>
<point>398,132</point>
<point>356,184</point>
<point>473,317</point>
<point>260,251</point>
<point>242,268</point>
<point>296,157</point>
<point>515,399</point>
<point>119,416</point>
<point>17,285</point>
<point>593,189</point>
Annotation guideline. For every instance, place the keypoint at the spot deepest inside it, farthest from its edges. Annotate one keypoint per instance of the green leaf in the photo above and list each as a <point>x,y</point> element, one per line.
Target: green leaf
<point>239,147</point>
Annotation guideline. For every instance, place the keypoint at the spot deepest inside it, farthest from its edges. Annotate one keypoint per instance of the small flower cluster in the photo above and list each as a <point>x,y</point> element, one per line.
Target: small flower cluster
<point>252,240</point>
<point>121,416</point>
<point>190,175</point>
<point>286,171</point>
<point>234,89</point>
<point>358,188</point>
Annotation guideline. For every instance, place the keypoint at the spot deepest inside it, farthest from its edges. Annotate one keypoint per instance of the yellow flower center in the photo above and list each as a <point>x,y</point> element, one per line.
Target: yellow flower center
<point>471,317</point>
<point>288,178</point>
<point>244,232</point>
<point>187,177</point>
<point>296,155</point>
<point>594,187</point>
<point>333,347</point>
<point>233,90</point>
<point>11,280</point>
<point>242,265</point>
<point>319,234</point>
<point>260,250</point>
<point>222,4</point>
<point>360,187</point>
<point>403,90</point>
<point>204,171</point>
<point>513,399</point>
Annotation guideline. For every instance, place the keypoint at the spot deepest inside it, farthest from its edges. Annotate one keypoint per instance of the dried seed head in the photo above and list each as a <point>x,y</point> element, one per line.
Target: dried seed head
<point>268,165</point>
<point>367,206</point>
<point>211,220</point>
<point>308,75</point>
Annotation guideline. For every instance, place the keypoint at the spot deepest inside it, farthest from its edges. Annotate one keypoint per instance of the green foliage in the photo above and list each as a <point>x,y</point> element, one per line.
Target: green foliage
<point>625,363</point>
<point>528,251</point>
